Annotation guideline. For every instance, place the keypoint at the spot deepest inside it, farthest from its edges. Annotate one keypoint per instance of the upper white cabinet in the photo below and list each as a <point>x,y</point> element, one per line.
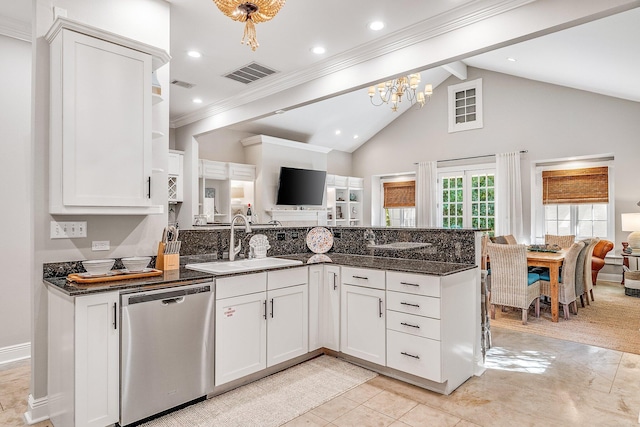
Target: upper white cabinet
<point>225,189</point>
<point>100,130</point>
<point>175,181</point>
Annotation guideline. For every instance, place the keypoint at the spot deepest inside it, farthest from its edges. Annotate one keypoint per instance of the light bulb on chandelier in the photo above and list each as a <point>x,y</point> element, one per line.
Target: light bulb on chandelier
<point>251,13</point>
<point>393,91</point>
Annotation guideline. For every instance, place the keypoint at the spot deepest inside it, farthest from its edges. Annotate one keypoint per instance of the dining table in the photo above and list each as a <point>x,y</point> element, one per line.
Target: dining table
<point>552,261</point>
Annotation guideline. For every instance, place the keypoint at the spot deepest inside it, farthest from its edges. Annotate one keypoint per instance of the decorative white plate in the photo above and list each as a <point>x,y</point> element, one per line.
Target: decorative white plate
<point>318,258</point>
<point>319,240</point>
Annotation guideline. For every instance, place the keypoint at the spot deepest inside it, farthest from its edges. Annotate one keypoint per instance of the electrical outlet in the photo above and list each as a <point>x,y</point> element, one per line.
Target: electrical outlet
<point>337,234</point>
<point>68,230</point>
<point>100,245</point>
<point>294,234</point>
<point>280,236</point>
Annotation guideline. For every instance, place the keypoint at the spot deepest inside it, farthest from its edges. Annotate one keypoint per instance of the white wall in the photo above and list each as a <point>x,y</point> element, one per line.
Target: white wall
<point>339,163</point>
<point>15,174</point>
<point>146,21</point>
<point>519,114</point>
<point>222,145</point>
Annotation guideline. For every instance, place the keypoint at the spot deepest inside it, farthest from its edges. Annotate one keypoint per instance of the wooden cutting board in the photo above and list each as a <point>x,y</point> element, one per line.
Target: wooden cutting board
<point>118,275</point>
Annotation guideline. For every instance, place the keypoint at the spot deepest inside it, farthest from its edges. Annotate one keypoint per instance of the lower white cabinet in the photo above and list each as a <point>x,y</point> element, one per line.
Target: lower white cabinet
<point>362,332</point>
<point>261,320</point>
<point>324,307</point>
<point>83,371</point>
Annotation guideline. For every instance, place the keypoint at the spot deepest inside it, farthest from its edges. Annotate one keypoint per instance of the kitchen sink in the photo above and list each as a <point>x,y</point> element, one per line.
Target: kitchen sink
<point>239,266</point>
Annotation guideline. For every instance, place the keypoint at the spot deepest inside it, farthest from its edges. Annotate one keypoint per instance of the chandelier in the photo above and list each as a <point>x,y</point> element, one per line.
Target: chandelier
<point>250,12</point>
<point>391,92</point>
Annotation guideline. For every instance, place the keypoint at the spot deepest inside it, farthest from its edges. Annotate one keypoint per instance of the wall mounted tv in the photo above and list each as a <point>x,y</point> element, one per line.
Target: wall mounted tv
<point>298,187</point>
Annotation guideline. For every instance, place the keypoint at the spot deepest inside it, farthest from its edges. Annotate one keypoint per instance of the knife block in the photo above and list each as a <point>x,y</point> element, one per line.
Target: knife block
<point>166,261</point>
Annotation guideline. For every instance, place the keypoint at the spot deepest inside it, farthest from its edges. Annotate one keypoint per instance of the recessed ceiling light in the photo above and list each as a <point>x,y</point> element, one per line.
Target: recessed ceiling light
<point>511,59</point>
<point>355,137</point>
<point>376,25</point>
<point>280,111</point>
<point>318,50</point>
<point>197,101</point>
<point>194,54</point>
<point>338,132</point>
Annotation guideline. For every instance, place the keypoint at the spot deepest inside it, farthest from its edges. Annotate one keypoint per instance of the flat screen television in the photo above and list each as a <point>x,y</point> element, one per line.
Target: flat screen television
<point>298,187</point>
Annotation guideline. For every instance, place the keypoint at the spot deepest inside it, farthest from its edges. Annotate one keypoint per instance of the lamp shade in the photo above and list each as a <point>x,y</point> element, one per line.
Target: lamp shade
<point>630,221</point>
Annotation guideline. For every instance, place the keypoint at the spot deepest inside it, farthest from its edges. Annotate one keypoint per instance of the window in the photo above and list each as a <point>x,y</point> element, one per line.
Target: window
<point>465,106</point>
<point>573,198</point>
<point>468,198</point>
<point>398,202</point>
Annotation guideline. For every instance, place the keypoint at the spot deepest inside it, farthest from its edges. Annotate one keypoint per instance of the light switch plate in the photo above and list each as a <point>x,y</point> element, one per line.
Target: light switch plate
<point>68,230</point>
<point>100,245</point>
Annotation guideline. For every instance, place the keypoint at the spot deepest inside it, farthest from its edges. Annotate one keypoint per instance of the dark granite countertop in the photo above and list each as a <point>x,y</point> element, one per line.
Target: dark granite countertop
<point>433,268</point>
<point>185,276</point>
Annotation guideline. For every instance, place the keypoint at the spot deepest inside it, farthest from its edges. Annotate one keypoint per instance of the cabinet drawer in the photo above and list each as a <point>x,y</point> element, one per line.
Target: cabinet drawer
<point>414,355</point>
<point>414,325</point>
<point>285,278</point>
<point>243,284</point>
<point>363,277</point>
<point>413,304</point>
<point>420,284</point>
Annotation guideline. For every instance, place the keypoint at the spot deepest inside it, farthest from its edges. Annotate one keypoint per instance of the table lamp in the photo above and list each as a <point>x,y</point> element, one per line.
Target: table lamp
<point>631,222</point>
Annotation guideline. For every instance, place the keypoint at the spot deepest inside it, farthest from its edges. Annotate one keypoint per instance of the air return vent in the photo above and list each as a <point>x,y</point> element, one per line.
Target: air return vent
<point>250,73</point>
<point>182,84</point>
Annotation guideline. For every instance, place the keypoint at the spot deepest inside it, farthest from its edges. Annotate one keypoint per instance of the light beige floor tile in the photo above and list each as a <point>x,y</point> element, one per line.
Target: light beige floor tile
<point>399,424</point>
<point>362,393</point>
<point>307,420</point>
<point>363,417</point>
<point>334,408</point>
<point>12,418</point>
<point>425,416</point>
<point>465,423</point>
<point>391,404</point>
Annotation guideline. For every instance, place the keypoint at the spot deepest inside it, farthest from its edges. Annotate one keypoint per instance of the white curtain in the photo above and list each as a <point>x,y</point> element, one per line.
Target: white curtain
<point>508,195</point>
<point>427,194</point>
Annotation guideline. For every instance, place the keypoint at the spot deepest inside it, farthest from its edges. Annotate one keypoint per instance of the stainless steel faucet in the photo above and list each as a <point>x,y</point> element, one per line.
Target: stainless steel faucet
<point>235,250</point>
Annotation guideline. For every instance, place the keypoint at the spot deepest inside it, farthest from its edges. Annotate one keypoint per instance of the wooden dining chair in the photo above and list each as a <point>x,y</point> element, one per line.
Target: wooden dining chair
<point>567,286</point>
<point>564,241</point>
<point>511,284</point>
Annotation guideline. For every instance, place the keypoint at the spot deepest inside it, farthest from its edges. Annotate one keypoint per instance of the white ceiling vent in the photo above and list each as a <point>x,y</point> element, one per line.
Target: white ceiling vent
<point>182,84</point>
<point>250,73</point>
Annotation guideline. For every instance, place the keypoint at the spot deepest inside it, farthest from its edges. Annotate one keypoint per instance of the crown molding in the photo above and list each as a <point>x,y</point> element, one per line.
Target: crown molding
<point>440,24</point>
<point>15,28</point>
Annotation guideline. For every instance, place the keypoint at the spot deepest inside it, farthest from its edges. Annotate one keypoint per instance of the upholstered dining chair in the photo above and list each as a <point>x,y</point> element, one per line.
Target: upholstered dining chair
<point>597,260</point>
<point>567,285</point>
<point>564,241</point>
<point>511,284</point>
<point>584,284</point>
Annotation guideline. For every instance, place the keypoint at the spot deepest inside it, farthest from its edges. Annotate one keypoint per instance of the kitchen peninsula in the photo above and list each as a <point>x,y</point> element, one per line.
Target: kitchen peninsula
<point>413,317</point>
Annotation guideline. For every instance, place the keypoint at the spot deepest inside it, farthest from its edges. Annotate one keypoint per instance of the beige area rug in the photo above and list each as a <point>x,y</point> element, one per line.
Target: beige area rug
<point>611,321</point>
<point>274,400</point>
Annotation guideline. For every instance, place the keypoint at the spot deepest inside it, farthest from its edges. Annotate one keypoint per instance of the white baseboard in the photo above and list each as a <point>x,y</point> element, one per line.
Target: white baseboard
<point>610,277</point>
<point>37,410</point>
<point>15,352</point>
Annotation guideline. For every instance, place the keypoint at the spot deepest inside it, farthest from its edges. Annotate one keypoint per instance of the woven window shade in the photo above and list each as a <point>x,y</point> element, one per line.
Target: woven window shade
<point>589,185</point>
<point>399,194</point>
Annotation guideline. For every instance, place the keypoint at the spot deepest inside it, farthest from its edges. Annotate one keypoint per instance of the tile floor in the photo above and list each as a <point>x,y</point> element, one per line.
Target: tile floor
<point>529,381</point>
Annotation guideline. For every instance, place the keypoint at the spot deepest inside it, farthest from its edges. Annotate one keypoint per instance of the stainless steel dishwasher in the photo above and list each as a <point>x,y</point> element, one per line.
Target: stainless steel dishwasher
<point>166,352</point>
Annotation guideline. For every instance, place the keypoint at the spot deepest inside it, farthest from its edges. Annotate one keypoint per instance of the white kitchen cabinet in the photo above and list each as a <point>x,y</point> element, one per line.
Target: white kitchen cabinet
<point>324,307</point>
<point>362,321</point>
<point>100,122</point>
<point>261,320</point>
<point>316,283</point>
<point>84,359</point>
<point>175,180</point>
<point>431,326</point>
<point>241,327</point>
<point>225,189</point>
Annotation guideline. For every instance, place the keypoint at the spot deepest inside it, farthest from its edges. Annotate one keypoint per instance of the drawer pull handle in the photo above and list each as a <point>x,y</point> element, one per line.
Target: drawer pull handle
<point>265,309</point>
<point>410,355</point>
<point>410,305</point>
<point>361,277</point>
<point>380,306</point>
<point>115,315</point>
<point>410,284</point>
<point>410,325</point>
<point>272,308</point>
<point>335,284</point>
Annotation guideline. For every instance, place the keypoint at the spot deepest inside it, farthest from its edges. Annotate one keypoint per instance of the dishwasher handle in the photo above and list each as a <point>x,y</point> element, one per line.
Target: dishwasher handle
<point>172,301</point>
